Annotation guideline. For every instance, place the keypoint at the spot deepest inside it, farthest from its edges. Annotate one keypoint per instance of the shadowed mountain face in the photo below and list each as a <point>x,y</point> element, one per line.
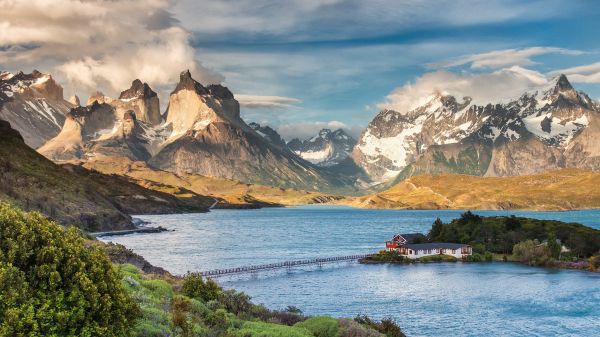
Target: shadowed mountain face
<point>552,127</point>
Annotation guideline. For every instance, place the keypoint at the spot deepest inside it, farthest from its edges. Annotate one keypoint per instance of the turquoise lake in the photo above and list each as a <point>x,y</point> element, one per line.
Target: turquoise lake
<point>448,299</point>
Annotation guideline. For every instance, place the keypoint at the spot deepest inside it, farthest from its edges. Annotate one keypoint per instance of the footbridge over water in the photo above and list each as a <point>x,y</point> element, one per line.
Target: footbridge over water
<point>279,265</point>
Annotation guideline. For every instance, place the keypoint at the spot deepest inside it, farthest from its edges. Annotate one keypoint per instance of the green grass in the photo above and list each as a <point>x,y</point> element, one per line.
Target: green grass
<point>262,329</point>
<point>321,326</point>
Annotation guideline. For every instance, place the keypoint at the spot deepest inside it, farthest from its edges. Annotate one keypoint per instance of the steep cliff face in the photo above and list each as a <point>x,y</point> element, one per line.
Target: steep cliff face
<point>208,137</point>
<point>551,127</point>
<point>142,100</point>
<point>128,126</point>
<point>33,104</point>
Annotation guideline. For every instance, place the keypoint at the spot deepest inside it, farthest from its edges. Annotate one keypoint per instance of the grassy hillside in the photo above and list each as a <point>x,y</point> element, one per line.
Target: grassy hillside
<point>55,283</point>
<point>230,193</point>
<point>75,195</point>
<point>554,190</point>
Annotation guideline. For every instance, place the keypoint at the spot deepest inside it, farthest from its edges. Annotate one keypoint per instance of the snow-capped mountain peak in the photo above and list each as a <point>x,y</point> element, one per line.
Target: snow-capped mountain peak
<point>327,148</point>
<point>554,114</point>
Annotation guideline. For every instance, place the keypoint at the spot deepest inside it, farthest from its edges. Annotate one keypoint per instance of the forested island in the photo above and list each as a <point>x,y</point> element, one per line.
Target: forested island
<point>535,242</point>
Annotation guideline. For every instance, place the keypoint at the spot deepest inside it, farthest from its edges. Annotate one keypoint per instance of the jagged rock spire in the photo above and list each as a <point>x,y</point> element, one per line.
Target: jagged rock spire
<point>138,89</point>
<point>562,84</point>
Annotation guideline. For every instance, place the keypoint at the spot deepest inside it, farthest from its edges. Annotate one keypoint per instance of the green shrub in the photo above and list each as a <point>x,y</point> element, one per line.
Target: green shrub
<point>437,258</point>
<point>532,253</point>
<point>195,287</point>
<point>159,289</point>
<point>52,285</point>
<point>488,256</point>
<point>386,326</point>
<point>321,326</point>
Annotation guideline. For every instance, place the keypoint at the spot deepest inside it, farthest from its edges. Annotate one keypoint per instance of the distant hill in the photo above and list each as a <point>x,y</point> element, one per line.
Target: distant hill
<point>564,189</point>
<point>75,195</point>
<point>228,193</point>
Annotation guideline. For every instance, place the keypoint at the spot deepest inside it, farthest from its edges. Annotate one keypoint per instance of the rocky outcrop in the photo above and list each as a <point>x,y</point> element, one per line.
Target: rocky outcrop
<point>142,100</point>
<point>269,134</point>
<point>548,128</point>
<point>74,100</point>
<point>33,104</point>
<point>98,97</point>
<point>326,149</point>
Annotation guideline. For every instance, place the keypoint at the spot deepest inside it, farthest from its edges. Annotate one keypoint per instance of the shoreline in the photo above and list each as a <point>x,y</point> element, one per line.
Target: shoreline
<point>561,265</point>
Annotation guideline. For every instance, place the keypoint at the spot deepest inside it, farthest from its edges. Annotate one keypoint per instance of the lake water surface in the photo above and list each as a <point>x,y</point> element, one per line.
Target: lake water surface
<point>450,299</point>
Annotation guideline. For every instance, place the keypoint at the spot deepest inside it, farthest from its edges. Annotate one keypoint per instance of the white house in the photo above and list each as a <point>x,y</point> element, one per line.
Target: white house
<point>402,243</point>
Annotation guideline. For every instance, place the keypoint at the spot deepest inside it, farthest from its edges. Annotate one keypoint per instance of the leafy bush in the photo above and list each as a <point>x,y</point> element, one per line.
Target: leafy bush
<point>386,326</point>
<point>195,287</point>
<point>52,285</point>
<point>595,261</point>
<point>488,256</point>
<point>388,256</point>
<point>321,326</point>
<point>437,258</point>
<point>532,253</point>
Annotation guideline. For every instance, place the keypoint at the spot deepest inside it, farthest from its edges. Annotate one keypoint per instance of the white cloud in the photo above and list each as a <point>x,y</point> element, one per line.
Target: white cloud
<point>98,44</point>
<point>502,58</point>
<point>484,88</point>
<point>267,102</point>
<point>589,73</point>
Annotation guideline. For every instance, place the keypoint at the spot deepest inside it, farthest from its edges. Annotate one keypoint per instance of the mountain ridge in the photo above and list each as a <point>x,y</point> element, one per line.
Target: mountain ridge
<point>551,127</point>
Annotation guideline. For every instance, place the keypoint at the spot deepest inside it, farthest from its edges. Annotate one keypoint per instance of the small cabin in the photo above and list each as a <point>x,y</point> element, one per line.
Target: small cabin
<point>404,244</point>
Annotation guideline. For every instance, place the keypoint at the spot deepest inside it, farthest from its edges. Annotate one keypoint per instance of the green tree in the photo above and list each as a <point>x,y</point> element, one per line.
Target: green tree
<point>512,223</point>
<point>553,245</point>
<point>436,230</point>
<point>52,285</point>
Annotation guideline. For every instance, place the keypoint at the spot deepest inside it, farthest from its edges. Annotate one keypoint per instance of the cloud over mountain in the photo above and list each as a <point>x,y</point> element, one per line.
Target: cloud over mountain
<point>483,88</point>
<point>98,43</point>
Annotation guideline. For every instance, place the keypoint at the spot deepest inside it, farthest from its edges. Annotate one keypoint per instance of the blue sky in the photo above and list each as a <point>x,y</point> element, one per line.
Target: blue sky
<point>340,59</point>
<point>300,65</point>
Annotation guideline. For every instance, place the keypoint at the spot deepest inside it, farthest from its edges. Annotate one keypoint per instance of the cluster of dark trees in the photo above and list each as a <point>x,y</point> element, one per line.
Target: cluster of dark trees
<point>499,234</point>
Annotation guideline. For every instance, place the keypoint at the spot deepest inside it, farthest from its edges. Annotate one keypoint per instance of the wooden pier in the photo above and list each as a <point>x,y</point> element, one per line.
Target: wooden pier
<point>279,265</point>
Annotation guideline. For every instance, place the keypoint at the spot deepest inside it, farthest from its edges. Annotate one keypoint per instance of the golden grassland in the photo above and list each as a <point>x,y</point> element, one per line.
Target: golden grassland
<point>564,189</point>
<point>227,192</point>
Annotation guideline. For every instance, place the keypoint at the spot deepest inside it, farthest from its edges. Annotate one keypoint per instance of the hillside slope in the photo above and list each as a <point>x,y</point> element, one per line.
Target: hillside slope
<point>565,189</point>
<point>75,195</point>
<point>229,193</point>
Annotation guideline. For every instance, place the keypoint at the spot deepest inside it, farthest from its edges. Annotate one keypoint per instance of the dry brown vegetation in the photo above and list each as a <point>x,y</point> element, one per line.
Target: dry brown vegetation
<point>229,193</point>
<point>553,190</point>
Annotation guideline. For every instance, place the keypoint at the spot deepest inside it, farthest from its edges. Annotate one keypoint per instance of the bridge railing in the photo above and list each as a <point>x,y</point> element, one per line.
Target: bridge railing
<point>277,265</point>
